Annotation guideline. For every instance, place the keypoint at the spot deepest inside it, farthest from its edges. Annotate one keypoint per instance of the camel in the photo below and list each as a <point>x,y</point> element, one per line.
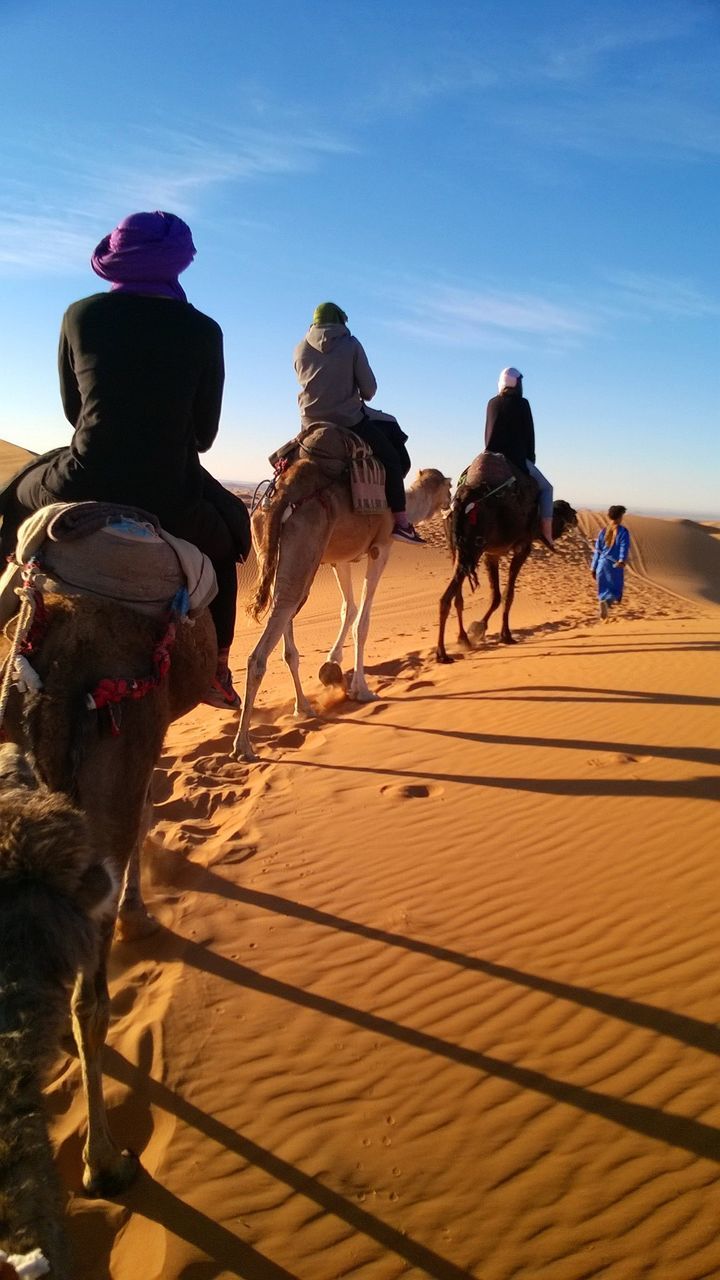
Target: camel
<point>106,771</point>
<point>496,516</point>
<point>54,894</point>
<point>322,528</point>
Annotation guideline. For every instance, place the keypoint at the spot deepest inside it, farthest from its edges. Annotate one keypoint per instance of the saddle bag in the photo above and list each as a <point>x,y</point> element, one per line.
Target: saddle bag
<point>367,485</point>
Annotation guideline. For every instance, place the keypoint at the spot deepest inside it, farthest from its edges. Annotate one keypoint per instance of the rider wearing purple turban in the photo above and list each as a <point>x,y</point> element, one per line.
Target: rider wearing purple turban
<point>145,254</point>
<point>141,380</point>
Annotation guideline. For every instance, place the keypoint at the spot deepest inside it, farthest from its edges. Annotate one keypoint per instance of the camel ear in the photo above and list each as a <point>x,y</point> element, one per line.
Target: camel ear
<point>14,769</point>
<point>97,891</point>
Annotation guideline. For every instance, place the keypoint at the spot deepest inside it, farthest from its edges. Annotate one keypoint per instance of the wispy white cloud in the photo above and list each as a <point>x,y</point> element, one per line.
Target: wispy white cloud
<point>161,167</point>
<point>652,295</point>
<point>599,33</point>
<point>459,317</point>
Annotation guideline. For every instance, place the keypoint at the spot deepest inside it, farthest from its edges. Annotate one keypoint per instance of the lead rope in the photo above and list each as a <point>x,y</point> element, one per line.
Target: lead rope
<point>17,669</point>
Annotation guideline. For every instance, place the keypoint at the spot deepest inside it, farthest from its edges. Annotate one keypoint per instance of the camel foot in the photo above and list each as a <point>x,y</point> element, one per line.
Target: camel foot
<point>362,694</point>
<point>245,755</point>
<point>330,673</point>
<point>464,641</point>
<point>477,632</point>
<point>442,656</point>
<point>507,638</point>
<point>135,924</point>
<point>104,1184</point>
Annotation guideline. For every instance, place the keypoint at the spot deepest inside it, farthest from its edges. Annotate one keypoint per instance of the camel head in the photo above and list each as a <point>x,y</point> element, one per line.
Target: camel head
<point>564,517</point>
<point>434,483</point>
<point>44,842</point>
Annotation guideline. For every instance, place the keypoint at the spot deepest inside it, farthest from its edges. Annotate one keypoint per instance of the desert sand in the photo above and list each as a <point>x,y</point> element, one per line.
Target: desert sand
<point>436,990</point>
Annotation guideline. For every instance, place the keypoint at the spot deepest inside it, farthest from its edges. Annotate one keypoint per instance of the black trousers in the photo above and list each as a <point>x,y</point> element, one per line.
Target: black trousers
<point>374,435</point>
<point>218,528</point>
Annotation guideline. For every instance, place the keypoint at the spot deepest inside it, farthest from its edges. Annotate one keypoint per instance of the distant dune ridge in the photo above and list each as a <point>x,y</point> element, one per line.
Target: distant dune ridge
<point>436,991</point>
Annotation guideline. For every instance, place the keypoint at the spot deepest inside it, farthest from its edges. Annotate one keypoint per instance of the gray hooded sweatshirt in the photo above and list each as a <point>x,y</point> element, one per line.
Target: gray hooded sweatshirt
<point>334,376</point>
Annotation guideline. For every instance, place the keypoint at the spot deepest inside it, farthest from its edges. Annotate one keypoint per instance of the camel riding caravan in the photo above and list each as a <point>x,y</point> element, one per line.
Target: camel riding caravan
<point>326,505</point>
<point>494,513</point>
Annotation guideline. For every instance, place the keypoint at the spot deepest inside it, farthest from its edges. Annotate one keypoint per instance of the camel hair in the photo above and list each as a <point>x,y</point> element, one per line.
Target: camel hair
<point>506,524</point>
<point>321,529</point>
<point>54,893</point>
<point>108,777</point>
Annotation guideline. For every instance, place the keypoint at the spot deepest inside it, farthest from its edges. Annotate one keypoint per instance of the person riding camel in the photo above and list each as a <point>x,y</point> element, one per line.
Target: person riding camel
<point>141,381</point>
<point>509,429</point>
<point>335,380</point>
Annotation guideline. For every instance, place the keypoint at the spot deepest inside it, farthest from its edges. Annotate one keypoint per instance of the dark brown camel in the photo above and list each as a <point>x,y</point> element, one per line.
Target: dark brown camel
<point>53,894</point>
<point>493,518</point>
<point>107,775</point>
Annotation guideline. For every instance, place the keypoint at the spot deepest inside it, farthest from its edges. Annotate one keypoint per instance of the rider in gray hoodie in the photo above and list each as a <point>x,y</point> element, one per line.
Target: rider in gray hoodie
<point>335,380</point>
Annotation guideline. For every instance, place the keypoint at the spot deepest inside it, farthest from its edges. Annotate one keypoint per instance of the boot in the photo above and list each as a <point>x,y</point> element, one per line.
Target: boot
<point>546,532</point>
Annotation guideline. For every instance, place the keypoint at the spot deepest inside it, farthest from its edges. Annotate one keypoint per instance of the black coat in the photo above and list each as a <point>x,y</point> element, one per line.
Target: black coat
<point>509,429</point>
<point>141,380</point>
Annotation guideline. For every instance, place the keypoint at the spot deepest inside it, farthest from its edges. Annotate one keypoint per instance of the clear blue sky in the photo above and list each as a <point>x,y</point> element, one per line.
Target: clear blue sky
<point>477,183</point>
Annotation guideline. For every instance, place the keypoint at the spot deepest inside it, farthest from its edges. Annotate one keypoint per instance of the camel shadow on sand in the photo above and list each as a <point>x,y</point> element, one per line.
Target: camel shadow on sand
<point>680,1131</point>
<point>154,1202</point>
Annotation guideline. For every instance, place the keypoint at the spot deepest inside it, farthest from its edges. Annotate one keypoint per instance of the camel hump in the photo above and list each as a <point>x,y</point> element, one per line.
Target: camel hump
<point>489,470</point>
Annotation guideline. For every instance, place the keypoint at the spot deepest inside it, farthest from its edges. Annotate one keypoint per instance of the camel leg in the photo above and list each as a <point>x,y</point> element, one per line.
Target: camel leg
<point>292,658</point>
<point>348,610</point>
<point>134,920</point>
<point>463,638</point>
<point>449,594</point>
<point>277,624</point>
<point>492,569</point>
<point>516,565</point>
<point>359,689</point>
<point>108,1171</point>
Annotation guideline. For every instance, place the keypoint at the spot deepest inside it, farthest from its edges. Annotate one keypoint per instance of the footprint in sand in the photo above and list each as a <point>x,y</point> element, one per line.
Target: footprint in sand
<point>411,791</point>
<point>616,757</point>
<point>291,738</point>
<point>421,684</point>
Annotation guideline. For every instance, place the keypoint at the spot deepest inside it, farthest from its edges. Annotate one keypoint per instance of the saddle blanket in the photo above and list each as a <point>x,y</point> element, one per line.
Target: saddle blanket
<point>492,470</point>
<point>107,552</point>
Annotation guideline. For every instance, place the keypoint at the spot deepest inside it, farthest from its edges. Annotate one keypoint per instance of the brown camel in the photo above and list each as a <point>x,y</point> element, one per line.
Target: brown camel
<point>310,522</point>
<point>54,892</point>
<point>107,775</point>
<point>496,516</point>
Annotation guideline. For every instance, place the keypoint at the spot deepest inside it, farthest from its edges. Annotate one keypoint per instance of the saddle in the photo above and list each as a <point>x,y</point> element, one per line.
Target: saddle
<point>338,452</point>
<point>107,552</point>
<point>493,471</point>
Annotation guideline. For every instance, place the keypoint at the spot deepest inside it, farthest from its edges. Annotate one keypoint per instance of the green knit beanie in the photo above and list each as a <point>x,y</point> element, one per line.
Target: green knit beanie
<point>329,313</point>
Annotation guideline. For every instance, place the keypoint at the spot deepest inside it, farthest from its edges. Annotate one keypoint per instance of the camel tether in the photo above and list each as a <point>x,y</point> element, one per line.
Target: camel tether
<point>309,520</point>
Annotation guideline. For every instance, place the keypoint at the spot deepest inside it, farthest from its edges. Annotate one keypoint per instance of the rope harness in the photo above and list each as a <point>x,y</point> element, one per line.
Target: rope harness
<point>109,692</point>
<point>17,670</point>
<point>471,509</point>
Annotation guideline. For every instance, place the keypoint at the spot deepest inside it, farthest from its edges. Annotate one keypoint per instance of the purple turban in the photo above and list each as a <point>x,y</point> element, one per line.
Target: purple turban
<point>145,254</point>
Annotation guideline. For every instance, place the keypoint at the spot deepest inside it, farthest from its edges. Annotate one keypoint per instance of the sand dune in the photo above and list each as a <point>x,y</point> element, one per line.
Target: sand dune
<point>12,458</point>
<point>437,987</point>
<point>682,555</point>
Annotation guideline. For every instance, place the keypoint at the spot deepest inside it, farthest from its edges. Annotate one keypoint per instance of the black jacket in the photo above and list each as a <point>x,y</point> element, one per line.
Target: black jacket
<point>509,429</point>
<point>141,380</point>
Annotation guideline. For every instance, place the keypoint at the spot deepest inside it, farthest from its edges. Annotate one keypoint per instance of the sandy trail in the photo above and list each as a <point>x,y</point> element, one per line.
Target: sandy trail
<point>437,989</point>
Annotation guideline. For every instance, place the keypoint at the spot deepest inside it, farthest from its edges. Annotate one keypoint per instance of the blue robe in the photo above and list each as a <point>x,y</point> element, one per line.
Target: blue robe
<point>609,578</point>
